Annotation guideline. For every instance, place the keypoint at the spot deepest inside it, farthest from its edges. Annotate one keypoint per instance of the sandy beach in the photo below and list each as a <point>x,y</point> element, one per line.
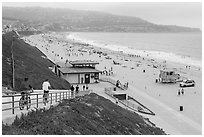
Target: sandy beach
<point>161,98</point>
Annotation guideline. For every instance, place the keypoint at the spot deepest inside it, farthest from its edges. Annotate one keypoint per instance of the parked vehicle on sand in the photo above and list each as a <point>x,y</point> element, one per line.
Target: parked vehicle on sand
<point>187,83</point>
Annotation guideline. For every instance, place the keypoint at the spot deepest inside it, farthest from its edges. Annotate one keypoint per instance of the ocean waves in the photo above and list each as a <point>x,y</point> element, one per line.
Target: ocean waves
<point>155,54</point>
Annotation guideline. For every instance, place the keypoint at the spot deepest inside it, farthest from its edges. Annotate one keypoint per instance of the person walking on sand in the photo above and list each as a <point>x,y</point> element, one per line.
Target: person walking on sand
<point>45,86</point>
<point>179,91</point>
<point>182,91</point>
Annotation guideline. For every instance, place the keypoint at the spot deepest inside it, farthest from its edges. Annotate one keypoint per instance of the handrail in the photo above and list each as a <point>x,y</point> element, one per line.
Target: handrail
<point>130,105</point>
<point>54,96</point>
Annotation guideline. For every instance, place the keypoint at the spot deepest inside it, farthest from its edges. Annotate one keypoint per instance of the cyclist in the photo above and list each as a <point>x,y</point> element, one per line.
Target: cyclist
<point>26,89</point>
<point>45,86</point>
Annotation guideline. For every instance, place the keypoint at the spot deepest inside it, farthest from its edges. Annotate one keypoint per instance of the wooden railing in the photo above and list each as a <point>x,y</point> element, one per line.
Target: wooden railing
<point>11,102</point>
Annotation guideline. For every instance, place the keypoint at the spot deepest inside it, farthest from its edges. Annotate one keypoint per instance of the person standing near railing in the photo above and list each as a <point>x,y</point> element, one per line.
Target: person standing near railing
<point>26,86</point>
<point>45,86</point>
<point>72,91</point>
<point>26,89</point>
<point>77,89</point>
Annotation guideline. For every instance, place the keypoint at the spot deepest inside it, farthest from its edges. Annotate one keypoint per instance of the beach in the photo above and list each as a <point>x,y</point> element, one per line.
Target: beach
<point>140,71</point>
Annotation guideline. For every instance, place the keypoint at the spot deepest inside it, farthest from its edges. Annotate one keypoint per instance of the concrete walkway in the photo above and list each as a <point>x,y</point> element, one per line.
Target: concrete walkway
<point>172,121</point>
<point>180,123</point>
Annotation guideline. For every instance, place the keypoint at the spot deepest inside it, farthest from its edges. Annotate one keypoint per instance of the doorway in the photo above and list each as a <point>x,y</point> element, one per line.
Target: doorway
<point>87,78</point>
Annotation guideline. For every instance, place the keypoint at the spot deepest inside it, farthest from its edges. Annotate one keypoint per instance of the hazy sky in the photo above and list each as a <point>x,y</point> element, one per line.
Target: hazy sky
<point>177,13</point>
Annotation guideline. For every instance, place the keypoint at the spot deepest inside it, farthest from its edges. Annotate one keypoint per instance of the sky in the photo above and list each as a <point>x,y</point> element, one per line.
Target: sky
<point>187,14</point>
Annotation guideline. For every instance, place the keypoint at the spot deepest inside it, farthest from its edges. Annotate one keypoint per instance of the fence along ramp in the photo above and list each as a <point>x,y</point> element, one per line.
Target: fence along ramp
<point>136,106</point>
<point>11,102</point>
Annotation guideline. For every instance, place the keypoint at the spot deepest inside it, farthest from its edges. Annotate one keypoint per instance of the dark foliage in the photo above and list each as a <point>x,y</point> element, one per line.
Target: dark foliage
<point>28,63</point>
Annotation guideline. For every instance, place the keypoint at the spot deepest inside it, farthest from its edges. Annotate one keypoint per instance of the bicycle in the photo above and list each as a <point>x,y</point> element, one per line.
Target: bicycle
<point>45,98</point>
<point>25,100</point>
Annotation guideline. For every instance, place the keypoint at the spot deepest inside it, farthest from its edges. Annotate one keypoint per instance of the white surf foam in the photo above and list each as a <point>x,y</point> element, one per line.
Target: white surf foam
<point>187,60</point>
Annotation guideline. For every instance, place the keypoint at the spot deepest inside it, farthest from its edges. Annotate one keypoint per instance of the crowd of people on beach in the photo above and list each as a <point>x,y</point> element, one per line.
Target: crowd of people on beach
<point>108,72</point>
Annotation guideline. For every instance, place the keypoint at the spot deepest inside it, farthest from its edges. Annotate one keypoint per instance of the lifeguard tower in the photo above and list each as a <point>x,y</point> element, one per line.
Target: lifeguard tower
<point>168,76</point>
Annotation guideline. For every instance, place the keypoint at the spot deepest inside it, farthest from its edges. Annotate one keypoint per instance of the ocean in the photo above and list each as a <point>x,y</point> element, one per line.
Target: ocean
<point>185,48</point>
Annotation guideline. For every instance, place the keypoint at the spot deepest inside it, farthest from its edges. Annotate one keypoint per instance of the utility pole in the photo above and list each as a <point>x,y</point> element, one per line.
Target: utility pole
<point>12,56</point>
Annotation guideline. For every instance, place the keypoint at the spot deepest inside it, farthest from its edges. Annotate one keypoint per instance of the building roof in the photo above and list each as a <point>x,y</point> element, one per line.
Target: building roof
<point>81,62</point>
<point>62,65</point>
<point>72,70</point>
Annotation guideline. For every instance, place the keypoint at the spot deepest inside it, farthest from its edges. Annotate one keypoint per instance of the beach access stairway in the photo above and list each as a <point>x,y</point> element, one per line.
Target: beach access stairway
<point>10,103</point>
<point>130,102</point>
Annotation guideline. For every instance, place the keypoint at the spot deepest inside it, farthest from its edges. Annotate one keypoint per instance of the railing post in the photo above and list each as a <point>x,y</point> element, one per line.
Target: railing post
<point>51,98</point>
<point>63,95</point>
<point>37,100</point>
<point>66,95</point>
<point>13,104</point>
<point>60,96</point>
<point>55,97</point>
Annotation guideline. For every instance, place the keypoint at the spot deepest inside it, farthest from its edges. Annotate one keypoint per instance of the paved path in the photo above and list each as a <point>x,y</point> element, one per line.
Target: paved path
<point>179,122</point>
<point>172,121</point>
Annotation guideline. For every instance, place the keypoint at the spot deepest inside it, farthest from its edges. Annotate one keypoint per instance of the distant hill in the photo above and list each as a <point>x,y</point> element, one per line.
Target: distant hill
<point>50,19</point>
<point>28,63</point>
<point>88,115</point>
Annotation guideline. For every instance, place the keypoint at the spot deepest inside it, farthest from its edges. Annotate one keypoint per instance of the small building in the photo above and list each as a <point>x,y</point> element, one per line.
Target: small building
<point>168,76</point>
<point>78,72</point>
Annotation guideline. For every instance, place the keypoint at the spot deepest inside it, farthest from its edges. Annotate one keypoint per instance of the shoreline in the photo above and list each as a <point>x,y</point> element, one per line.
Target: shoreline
<point>157,54</point>
<point>130,71</point>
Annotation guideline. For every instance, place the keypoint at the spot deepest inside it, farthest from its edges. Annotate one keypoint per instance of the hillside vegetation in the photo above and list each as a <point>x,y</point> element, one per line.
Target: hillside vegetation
<point>51,19</point>
<point>88,115</point>
<point>29,62</point>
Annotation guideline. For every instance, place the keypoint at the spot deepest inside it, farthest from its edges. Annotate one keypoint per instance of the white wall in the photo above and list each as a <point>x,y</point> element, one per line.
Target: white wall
<point>72,78</point>
<point>82,76</point>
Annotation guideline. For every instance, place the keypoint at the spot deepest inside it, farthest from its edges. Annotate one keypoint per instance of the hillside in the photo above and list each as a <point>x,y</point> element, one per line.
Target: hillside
<point>50,19</point>
<point>29,62</point>
<point>88,115</point>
